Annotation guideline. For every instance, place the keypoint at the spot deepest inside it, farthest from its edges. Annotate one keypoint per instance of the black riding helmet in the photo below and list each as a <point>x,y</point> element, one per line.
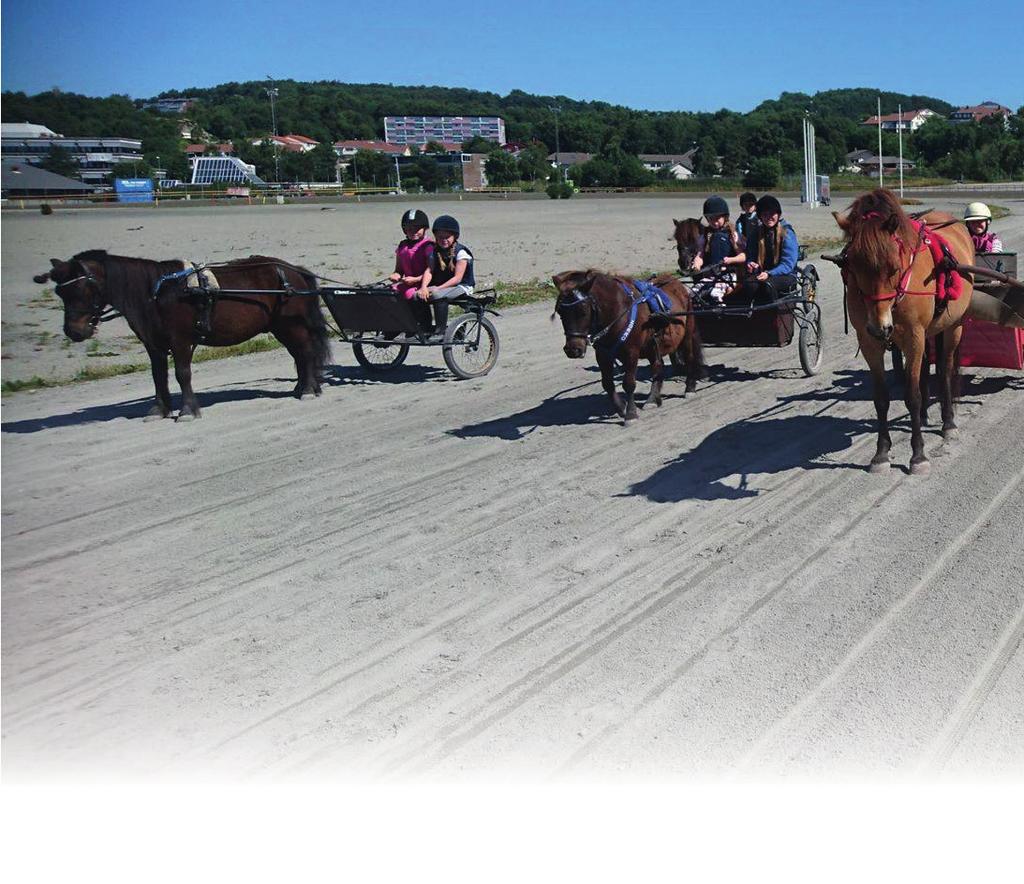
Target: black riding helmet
<point>416,218</point>
<point>768,205</point>
<point>715,205</point>
<point>446,222</point>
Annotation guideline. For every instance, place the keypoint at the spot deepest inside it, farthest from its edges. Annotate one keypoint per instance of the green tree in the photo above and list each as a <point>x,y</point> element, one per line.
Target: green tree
<point>764,173</point>
<point>707,159</point>
<point>533,164</point>
<point>501,167</point>
<point>476,144</point>
<point>370,167</point>
<point>60,161</point>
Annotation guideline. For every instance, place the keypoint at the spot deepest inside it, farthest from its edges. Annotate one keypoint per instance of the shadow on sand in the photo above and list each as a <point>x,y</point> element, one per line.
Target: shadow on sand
<point>752,446</point>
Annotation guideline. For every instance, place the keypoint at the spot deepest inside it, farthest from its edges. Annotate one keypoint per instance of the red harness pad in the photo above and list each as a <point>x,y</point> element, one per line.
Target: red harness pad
<point>949,284</point>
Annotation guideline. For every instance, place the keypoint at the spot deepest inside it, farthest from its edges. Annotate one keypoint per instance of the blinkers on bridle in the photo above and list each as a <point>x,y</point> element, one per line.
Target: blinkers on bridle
<point>576,298</point>
<point>96,308</point>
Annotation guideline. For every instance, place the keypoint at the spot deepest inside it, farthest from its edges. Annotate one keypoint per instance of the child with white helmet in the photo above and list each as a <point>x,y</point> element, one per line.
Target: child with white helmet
<point>978,217</point>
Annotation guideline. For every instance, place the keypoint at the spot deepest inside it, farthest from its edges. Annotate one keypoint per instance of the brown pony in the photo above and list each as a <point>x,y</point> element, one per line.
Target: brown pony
<point>610,312</point>
<point>687,239</point>
<point>256,296</point>
<point>890,278</point>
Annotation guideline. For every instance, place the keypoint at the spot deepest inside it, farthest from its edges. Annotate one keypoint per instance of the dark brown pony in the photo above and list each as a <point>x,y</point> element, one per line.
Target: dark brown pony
<point>608,312</point>
<point>687,236</point>
<point>890,279</point>
<point>687,240</point>
<point>163,311</point>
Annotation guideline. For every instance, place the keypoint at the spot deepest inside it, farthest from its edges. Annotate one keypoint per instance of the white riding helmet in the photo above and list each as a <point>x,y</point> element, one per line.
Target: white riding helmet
<point>977,212</point>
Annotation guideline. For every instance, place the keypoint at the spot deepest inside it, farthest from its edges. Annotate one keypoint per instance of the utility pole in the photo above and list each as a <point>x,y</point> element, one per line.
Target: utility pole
<point>272,92</point>
<point>899,129</point>
<point>398,176</point>
<point>556,110</point>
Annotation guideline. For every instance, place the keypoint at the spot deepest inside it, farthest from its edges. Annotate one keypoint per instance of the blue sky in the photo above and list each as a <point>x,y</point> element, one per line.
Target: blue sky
<point>678,55</point>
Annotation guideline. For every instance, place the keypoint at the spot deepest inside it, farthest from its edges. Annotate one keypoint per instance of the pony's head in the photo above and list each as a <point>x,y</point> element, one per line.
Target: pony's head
<point>79,283</point>
<point>687,237</point>
<point>576,307</point>
<point>880,246</point>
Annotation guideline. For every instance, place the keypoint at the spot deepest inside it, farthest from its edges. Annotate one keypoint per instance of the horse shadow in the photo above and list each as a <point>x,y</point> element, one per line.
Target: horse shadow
<point>133,409</point>
<point>556,411</point>
<point>749,447</point>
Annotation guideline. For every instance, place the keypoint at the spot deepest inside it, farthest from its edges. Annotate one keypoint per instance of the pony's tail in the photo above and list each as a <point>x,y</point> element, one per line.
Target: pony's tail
<point>317,324</point>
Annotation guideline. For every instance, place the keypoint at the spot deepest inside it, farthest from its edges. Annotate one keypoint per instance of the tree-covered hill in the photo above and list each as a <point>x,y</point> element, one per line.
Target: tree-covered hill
<point>728,141</point>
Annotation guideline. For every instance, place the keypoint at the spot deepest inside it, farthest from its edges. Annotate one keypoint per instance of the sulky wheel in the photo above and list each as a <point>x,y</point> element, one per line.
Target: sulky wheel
<point>809,282</point>
<point>811,340</point>
<point>471,346</point>
<point>380,357</point>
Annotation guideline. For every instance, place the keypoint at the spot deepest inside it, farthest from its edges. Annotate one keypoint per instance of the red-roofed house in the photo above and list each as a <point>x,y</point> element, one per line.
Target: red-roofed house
<point>449,146</point>
<point>908,121</point>
<point>978,112</point>
<point>346,149</point>
<point>292,143</point>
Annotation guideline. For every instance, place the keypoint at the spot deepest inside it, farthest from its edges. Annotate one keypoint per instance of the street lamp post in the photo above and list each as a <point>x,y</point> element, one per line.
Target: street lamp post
<point>556,110</point>
<point>272,92</point>
<point>398,176</point>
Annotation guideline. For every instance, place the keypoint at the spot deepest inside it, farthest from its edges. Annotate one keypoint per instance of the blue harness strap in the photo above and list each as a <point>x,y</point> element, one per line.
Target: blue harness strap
<point>167,277</point>
<point>656,300</point>
<point>654,297</point>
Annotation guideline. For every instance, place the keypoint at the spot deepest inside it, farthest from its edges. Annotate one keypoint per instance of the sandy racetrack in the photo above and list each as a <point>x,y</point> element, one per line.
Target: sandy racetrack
<point>415,577</point>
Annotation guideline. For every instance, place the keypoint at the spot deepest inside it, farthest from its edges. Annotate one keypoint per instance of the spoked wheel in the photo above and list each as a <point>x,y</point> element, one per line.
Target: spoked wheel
<point>811,340</point>
<point>380,357</point>
<point>471,346</point>
<point>809,283</point>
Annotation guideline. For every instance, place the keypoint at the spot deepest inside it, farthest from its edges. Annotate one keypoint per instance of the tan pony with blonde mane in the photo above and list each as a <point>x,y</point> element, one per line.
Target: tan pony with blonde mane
<point>890,277</point>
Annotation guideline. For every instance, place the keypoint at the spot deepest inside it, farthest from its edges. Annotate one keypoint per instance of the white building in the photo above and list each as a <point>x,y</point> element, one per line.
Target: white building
<point>420,130</point>
<point>96,157</point>
<point>908,121</point>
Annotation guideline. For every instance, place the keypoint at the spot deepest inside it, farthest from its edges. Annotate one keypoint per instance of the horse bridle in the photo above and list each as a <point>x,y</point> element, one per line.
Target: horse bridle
<point>96,312</point>
<point>579,299</point>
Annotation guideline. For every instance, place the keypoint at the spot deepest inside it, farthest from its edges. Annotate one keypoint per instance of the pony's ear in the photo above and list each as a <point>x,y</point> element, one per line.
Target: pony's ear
<point>569,279</point>
<point>41,277</point>
<point>675,222</point>
<point>844,223</point>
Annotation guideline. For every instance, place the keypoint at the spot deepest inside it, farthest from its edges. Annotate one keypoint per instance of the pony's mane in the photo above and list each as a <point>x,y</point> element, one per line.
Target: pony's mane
<point>870,225</point>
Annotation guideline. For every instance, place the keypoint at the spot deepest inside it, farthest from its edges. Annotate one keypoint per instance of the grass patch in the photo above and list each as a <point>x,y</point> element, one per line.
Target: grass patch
<point>512,294</point>
<point>821,243</point>
<point>254,345</point>
<point>998,211</point>
<point>910,201</point>
<point>101,372</point>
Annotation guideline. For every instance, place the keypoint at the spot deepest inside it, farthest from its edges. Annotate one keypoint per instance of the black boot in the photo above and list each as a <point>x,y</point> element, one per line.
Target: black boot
<point>440,318</point>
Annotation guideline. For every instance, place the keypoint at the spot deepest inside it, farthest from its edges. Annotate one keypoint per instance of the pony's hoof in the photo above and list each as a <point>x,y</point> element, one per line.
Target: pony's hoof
<point>879,466</point>
<point>950,434</point>
<point>185,418</point>
<point>921,468</point>
<point>305,397</point>
<point>153,416</point>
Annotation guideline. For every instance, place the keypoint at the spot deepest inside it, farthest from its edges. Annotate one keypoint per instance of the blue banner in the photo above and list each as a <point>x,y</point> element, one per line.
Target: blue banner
<point>134,190</point>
